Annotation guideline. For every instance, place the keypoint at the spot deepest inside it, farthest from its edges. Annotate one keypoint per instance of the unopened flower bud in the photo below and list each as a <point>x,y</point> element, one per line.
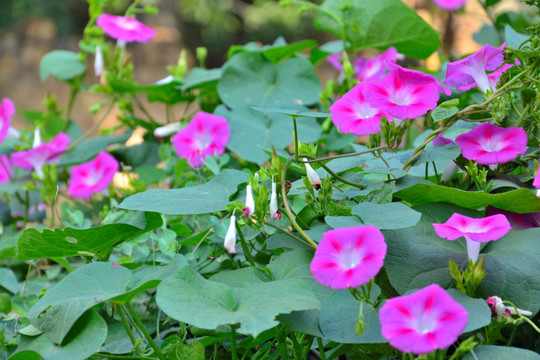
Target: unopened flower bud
<point>167,130</point>
<point>500,310</point>
<point>99,63</point>
<point>249,208</point>
<point>275,214</point>
<point>230,237</point>
<point>312,176</point>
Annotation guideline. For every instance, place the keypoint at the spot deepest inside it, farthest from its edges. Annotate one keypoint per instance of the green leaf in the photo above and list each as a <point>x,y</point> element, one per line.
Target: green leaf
<point>62,64</point>
<point>518,201</point>
<point>88,333</point>
<point>25,355</point>
<point>193,351</point>
<point>442,113</point>
<point>339,314</point>
<point>386,216</point>
<point>97,241</point>
<point>241,277</point>
<point>198,78</point>
<point>61,306</point>
<point>277,53</point>
<point>439,154</point>
<point>251,80</point>
<point>8,280</point>
<point>513,38</point>
<point>200,199</point>
<point>479,312</point>
<point>493,352</point>
<point>367,25</point>
<point>186,296</point>
<point>165,93</point>
<point>293,113</point>
<point>252,132</point>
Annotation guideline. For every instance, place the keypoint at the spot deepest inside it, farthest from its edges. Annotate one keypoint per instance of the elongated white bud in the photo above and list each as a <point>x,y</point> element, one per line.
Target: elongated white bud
<point>99,62</point>
<point>166,80</point>
<point>167,130</point>
<point>37,138</point>
<point>230,237</point>
<point>249,207</point>
<point>449,171</point>
<point>312,176</point>
<point>275,214</point>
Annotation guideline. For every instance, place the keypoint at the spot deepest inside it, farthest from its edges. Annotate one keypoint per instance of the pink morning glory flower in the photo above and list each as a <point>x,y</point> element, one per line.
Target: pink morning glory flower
<point>5,169</point>
<point>475,231</point>
<point>517,221</point>
<point>41,153</point>
<point>348,257</point>
<point>92,176</point>
<point>205,135</point>
<point>536,181</point>
<point>335,61</point>
<point>472,70</point>
<point>352,114</point>
<point>490,144</point>
<point>375,68</point>
<point>450,4</point>
<point>421,322</point>
<point>403,93</point>
<point>125,29</point>
<point>7,109</point>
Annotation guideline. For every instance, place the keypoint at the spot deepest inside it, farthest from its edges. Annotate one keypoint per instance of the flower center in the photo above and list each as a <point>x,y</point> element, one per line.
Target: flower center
<point>93,178</point>
<point>202,141</point>
<point>424,323</point>
<point>350,258</point>
<point>127,24</point>
<point>364,111</point>
<point>492,145</point>
<point>401,97</point>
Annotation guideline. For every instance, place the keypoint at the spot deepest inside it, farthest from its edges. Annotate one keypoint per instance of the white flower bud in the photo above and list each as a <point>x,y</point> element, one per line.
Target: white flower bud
<point>230,237</point>
<point>275,214</point>
<point>99,63</point>
<point>312,176</point>
<point>167,130</point>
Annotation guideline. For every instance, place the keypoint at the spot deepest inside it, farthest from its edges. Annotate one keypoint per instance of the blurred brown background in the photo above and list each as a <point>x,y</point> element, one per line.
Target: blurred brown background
<point>31,28</point>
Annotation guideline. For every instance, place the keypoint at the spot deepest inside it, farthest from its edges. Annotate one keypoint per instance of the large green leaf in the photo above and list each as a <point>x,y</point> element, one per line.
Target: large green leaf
<point>253,131</point>
<point>97,241</point>
<point>25,355</point>
<point>201,199</point>
<point>249,79</point>
<point>165,93</point>
<point>479,312</point>
<point>88,333</point>
<point>63,64</point>
<point>518,201</point>
<point>186,296</point>
<point>417,257</point>
<point>338,317</point>
<point>493,352</point>
<point>57,311</point>
<point>241,277</point>
<point>367,26</point>
<point>386,216</point>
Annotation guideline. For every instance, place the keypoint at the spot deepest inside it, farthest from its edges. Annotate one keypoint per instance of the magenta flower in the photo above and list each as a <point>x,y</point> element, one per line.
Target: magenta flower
<point>348,257</point>
<point>490,144</point>
<point>450,4</point>
<point>5,169</point>
<point>423,321</point>
<point>335,61</point>
<point>353,115</point>
<point>7,109</point>
<point>403,93</point>
<point>205,135</point>
<point>517,221</point>
<point>375,68</point>
<point>470,71</point>
<point>475,231</point>
<point>92,176</point>
<point>124,28</point>
<point>536,181</point>
<point>40,154</point>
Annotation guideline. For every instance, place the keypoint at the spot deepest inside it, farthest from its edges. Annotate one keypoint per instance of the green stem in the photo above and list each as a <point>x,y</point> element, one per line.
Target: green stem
<point>141,326</point>
<point>288,208</point>
<point>346,155</point>
<point>295,135</point>
<point>93,128</point>
<point>286,232</point>
<point>321,348</point>
<point>522,115</point>
<point>436,174</point>
<point>296,345</point>
<point>126,325</point>
<point>72,95</point>
<point>127,357</point>
<point>245,246</point>
<point>233,342</point>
